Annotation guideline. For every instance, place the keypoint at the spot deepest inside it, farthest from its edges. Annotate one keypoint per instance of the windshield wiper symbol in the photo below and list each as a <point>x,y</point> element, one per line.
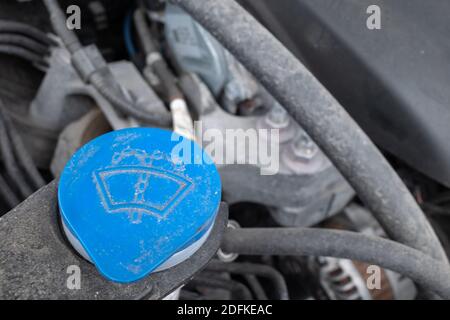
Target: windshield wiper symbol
<point>136,185</point>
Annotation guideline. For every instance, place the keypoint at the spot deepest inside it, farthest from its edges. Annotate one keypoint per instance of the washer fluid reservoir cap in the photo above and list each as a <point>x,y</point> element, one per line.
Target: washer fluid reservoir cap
<point>140,200</point>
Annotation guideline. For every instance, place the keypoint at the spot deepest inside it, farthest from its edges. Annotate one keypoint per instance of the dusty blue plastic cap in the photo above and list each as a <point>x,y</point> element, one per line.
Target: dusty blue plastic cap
<point>133,198</point>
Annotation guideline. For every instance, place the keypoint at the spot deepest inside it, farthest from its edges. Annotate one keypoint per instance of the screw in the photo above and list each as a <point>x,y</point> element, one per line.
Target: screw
<point>225,256</point>
<point>278,117</point>
<point>304,147</point>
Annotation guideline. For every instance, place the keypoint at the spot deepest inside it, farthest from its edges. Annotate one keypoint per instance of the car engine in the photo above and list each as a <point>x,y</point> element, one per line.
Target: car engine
<point>275,191</point>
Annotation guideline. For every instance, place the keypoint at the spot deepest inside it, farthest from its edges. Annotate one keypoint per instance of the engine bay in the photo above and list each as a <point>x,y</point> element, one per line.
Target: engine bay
<point>289,216</point>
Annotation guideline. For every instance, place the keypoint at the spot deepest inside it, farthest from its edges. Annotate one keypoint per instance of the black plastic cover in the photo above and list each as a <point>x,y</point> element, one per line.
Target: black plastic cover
<point>394,81</point>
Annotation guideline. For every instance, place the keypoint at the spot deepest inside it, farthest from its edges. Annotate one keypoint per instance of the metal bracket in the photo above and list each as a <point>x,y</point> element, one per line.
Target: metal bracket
<point>35,257</point>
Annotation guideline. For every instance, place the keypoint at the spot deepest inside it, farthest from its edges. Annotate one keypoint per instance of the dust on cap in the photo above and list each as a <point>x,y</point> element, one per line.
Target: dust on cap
<point>133,199</point>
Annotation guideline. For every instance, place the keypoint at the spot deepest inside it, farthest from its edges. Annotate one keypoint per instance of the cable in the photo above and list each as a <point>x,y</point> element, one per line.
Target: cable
<point>431,274</point>
<point>7,194</point>
<point>7,154</point>
<point>166,82</point>
<point>24,29</point>
<point>441,198</point>
<point>58,20</point>
<point>319,113</point>
<point>240,290</point>
<point>145,36</point>
<point>97,78</point>
<point>254,269</point>
<point>154,59</point>
<point>189,295</point>
<point>435,209</point>
<point>125,106</point>
<point>256,287</point>
<point>21,53</point>
<point>22,154</point>
<point>24,42</point>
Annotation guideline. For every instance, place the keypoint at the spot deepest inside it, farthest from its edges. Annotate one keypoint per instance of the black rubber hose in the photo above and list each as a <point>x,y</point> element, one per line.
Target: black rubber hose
<point>255,269</point>
<point>170,89</point>
<point>431,274</point>
<point>7,194</point>
<point>256,287</point>
<point>21,53</point>
<point>27,30</point>
<point>58,20</point>
<point>321,115</point>
<point>240,290</point>
<point>143,31</point>
<point>9,161</point>
<point>125,106</point>
<point>189,295</point>
<point>24,42</point>
<point>22,154</point>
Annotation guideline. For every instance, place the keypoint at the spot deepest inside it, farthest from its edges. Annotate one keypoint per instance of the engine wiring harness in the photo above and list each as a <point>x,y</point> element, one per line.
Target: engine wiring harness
<point>414,250</point>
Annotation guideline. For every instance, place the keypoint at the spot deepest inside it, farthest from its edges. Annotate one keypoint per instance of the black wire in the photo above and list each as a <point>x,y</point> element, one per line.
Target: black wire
<point>237,288</point>
<point>189,295</point>
<point>256,287</point>
<point>12,169</point>
<point>22,154</point>
<point>435,209</point>
<point>24,42</point>
<point>22,28</point>
<point>7,194</point>
<point>254,269</point>
<point>22,53</point>
<point>143,32</point>
<point>169,88</point>
<point>442,198</point>
<point>124,105</point>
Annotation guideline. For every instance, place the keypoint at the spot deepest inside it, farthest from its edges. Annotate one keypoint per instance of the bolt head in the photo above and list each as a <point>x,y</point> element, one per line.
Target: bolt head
<point>304,147</point>
<point>278,117</point>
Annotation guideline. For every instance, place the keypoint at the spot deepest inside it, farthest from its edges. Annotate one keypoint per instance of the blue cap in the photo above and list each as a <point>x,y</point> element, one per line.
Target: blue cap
<point>133,198</point>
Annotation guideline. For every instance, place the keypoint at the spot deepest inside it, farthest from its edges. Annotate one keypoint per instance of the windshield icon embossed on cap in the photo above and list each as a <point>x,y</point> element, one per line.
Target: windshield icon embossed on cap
<point>133,181</point>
